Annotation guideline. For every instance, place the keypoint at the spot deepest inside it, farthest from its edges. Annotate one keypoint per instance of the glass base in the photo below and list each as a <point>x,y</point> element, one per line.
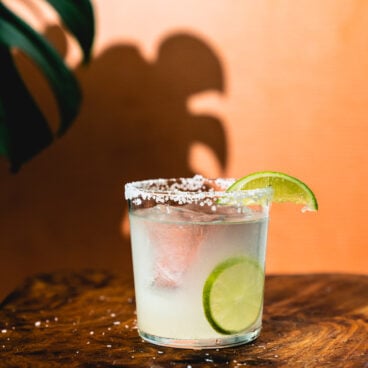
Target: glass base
<point>215,343</point>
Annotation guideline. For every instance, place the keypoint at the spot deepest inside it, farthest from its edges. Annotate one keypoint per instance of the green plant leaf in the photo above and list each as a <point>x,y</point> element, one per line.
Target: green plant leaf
<point>14,32</point>
<point>78,17</point>
<point>24,131</point>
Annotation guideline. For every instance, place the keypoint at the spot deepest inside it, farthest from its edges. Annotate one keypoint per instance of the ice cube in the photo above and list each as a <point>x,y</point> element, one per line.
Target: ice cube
<point>209,214</point>
<point>175,240</point>
<point>195,213</point>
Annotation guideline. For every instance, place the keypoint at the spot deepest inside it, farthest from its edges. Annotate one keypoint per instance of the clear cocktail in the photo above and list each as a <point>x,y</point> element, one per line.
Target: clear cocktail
<point>198,257</point>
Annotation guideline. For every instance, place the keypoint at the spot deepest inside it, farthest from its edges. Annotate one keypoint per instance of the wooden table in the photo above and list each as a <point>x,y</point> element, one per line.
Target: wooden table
<point>87,320</point>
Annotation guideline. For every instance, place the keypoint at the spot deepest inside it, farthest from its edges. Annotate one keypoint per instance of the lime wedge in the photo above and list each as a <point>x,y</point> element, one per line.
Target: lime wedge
<point>233,295</point>
<point>286,188</point>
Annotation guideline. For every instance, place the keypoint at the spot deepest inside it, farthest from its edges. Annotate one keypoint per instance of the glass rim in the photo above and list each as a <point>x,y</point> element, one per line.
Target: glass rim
<point>189,189</point>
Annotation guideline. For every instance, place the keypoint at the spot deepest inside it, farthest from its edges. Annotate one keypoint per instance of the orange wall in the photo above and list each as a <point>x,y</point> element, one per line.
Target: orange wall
<point>242,86</point>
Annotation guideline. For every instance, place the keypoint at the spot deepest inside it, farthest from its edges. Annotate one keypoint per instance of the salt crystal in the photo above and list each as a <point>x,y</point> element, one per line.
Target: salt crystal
<point>116,323</point>
<point>38,324</point>
<point>91,332</point>
<point>4,331</point>
<point>112,315</point>
<point>108,346</point>
<point>177,191</point>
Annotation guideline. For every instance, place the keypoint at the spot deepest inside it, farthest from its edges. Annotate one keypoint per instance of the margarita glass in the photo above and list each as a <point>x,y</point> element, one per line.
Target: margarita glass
<point>198,259</point>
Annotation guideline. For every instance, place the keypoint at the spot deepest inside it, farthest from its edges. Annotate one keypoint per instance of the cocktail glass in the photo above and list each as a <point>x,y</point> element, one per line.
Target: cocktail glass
<point>198,260</point>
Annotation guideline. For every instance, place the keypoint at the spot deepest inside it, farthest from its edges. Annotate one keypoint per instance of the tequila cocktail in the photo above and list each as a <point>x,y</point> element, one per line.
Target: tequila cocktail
<point>198,257</point>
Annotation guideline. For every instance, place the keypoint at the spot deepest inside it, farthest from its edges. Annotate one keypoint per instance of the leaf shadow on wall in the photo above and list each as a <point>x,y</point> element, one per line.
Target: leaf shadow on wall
<point>134,124</point>
<point>146,105</point>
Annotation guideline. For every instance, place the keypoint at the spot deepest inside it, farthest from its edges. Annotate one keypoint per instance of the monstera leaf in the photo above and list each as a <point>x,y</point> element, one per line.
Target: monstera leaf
<point>24,131</point>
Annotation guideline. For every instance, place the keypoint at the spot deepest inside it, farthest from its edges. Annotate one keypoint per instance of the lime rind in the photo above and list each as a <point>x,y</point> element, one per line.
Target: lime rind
<point>233,295</point>
<point>286,188</point>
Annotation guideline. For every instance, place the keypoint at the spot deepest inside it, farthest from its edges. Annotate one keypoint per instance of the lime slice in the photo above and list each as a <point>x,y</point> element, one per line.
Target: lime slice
<point>233,295</point>
<point>286,188</point>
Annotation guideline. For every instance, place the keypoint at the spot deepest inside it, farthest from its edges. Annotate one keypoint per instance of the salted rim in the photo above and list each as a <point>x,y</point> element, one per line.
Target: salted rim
<point>188,190</point>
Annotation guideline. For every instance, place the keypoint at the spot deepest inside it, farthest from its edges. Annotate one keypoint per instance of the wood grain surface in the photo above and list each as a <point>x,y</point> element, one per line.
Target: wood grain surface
<point>87,319</point>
